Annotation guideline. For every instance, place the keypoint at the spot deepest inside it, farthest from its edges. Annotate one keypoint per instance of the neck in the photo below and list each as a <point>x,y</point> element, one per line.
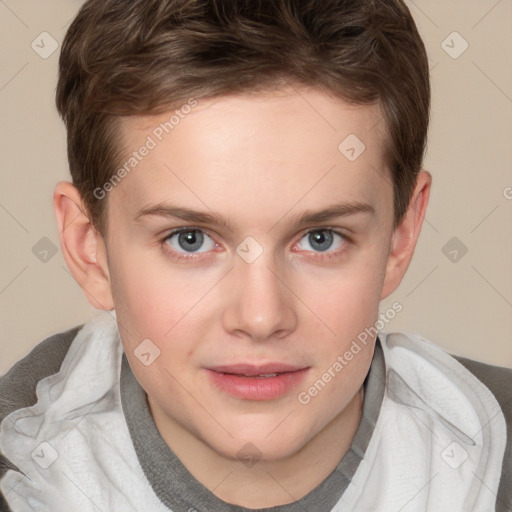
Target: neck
<point>266,483</point>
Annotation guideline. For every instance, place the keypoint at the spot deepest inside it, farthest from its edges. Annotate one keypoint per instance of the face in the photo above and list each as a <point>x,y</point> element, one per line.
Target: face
<point>250,250</point>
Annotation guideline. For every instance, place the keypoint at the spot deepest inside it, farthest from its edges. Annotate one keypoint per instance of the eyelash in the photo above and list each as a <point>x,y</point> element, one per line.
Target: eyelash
<point>323,256</point>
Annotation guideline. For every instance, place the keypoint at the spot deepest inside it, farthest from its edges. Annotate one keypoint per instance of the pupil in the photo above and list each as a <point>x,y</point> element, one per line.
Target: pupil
<point>322,239</point>
<point>191,240</point>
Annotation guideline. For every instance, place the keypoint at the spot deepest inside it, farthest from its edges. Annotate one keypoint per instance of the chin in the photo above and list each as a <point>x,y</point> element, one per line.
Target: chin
<point>261,447</point>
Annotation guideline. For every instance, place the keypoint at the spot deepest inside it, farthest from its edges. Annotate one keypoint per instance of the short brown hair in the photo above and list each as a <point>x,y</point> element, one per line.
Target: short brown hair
<point>140,57</point>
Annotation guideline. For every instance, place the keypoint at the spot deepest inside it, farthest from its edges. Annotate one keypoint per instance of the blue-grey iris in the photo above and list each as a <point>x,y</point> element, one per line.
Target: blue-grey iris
<point>191,240</point>
<point>321,240</point>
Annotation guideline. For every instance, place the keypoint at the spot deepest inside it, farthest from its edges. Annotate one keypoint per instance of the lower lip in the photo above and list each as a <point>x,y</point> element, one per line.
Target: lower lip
<point>254,388</point>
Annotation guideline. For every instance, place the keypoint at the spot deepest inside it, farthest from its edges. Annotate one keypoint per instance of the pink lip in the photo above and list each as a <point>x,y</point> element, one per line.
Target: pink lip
<point>242,381</point>
<point>252,369</point>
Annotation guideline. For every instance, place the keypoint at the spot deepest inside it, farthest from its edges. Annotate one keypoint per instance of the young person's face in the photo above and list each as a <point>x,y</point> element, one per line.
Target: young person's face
<point>266,294</point>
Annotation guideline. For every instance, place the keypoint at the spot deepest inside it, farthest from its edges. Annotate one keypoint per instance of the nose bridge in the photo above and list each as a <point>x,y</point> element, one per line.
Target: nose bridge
<point>261,305</point>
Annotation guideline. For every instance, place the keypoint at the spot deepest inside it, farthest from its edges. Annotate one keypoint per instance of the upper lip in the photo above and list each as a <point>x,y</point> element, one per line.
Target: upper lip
<point>252,370</point>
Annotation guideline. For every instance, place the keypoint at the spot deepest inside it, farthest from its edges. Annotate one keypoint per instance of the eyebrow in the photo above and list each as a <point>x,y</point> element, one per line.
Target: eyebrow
<point>308,217</point>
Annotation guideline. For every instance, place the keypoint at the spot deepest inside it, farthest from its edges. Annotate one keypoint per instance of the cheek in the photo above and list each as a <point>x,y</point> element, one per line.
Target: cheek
<point>145,296</point>
<point>157,300</point>
<point>347,298</point>
<point>151,303</point>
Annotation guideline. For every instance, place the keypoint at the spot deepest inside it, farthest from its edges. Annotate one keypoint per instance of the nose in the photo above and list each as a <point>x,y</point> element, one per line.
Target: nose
<point>261,305</point>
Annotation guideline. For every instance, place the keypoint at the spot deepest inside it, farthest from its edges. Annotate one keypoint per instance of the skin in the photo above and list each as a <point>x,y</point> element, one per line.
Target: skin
<point>260,162</point>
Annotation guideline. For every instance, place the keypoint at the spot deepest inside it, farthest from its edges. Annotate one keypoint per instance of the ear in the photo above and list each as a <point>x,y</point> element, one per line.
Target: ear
<point>82,246</point>
<point>406,235</point>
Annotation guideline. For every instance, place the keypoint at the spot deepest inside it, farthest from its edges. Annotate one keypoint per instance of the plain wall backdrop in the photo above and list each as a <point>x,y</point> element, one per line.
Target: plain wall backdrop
<point>458,290</point>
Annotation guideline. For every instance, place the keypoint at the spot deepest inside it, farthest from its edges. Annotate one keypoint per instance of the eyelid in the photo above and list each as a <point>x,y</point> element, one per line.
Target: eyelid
<point>185,229</point>
<point>337,231</point>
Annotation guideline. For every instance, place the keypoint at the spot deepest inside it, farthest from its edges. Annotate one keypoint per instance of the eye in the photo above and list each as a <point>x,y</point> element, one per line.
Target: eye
<point>190,241</point>
<point>321,240</point>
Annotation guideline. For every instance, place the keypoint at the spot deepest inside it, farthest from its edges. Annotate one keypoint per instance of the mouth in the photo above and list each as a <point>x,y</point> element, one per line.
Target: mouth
<point>256,382</point>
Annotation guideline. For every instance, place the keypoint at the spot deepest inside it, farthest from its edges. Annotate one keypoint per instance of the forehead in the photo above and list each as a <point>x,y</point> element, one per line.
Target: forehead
<point>280,148</point>
<point>244,120</point>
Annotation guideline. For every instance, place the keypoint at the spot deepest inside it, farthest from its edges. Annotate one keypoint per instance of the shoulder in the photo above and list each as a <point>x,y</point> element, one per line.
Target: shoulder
<point>498,380</point>
<point>18,385</point>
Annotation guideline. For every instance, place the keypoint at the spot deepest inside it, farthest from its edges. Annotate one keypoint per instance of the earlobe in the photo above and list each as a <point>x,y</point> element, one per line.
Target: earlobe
<point>406,235</point>
<point>82,246</point>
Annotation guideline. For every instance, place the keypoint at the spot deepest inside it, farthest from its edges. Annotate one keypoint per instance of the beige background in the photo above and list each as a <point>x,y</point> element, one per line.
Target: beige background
<point>463,306</point>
